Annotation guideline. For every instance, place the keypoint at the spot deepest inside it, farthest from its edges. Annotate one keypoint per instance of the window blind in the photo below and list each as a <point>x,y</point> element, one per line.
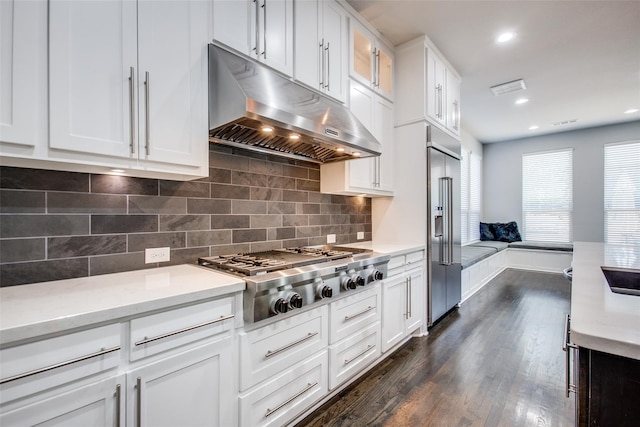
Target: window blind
<point>464,196</point>
<point>470,195</point>
<point>547,196</point>
<point>622,193</point>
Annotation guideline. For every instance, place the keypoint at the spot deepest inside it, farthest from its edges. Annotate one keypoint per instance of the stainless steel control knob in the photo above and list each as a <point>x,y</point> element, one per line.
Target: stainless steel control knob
<point>295,301</point>
<point>359,280</point>
<point>279,305</point>
<point>324,291</point>
<point>348,283</point>
<point>375,275</point>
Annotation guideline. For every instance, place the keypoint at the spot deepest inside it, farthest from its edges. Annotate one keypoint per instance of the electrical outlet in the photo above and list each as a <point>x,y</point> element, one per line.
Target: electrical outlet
<point>331,238</point>
<point>153,255</point>
<point>360,235</point>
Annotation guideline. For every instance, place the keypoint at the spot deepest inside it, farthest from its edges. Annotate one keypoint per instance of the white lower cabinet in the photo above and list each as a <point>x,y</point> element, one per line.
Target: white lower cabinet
<point>353,354</point>
<point>190,389</point>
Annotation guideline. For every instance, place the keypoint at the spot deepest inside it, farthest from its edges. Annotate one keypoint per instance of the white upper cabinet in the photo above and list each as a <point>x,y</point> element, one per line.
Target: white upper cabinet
<point>128,83</point>
<point>261,29</point>
<point>371,61</point>
<point>23,76</point>
<point>422,70</point>
<point>321,47</point>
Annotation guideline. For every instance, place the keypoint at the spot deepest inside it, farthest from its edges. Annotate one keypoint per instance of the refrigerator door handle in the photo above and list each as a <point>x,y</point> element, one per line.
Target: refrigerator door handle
<point>446,196</point>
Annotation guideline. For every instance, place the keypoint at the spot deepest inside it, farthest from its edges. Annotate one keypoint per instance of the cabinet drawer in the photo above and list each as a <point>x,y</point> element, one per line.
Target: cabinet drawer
<point>170,329</point>
<point>415,257</point>
<point>353,354</point>
<point>354,313</point>
<point>396,261</point>
<point>41,365</point>
<point>286,396</point>
<point>267,351</point>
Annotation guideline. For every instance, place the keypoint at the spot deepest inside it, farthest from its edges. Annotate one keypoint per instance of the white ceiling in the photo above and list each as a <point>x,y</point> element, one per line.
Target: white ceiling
<point>579,59</point>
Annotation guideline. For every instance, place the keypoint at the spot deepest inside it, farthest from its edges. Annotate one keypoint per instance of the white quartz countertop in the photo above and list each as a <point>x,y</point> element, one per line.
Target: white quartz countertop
<point>600,319</point>
<point>386,248</point>
<point>28,311</point>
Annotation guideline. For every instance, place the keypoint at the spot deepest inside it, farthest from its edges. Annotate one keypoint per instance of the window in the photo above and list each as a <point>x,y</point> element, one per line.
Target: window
<point>547,196</point>
<point>622,193</point>
<point>471,187</point>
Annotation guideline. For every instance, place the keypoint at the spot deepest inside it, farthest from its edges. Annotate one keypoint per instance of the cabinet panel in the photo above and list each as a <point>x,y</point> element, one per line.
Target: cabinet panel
<point>234,32</point>
<point>351,355</point>
<point>94,405</point>
<point>334,25</point>
<point>92,47</point>
<point>275,23</point>
<point>193,388</point>
<point>362,105</point>
<point>353,313</point>
<point>309,43</point>
<point>394,311</point>
<point>383,177</point>
<point>416,299</point>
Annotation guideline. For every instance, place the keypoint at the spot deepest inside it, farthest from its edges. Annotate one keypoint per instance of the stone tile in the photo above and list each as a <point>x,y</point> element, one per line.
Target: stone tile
<point>110,224</point>
<point>314,174</point>
<point>42,271</point>
<point>140,242</point>
<point>295,172</point>
<point>184,222</point>
<point>253,235</point>
<point>294,243</point>
<point>208,238</point>
<point>19,201</point>
<point>223,191</point>
<point>357,219</point>
<point>40,179</point>
<point>265,167</point>
<point>230,249</point>
<point>308,231</point>
<point>105,264</point>
<point>16,250</point>
<point>252,207</point>
<point>315,197</point>
<point>307,185</point>
<point>230,221</point>
<point>310,208</point>
<point>271,234</point>
<point>295,220</point>
<point>222,160</point>
<point>286,233</point>
<point>79,246</point>
<point>281,208</point>
<point>338,199</point>
<point>265,221</point>
<point>185,188</point>
<point>86,203</point>
<point>340,219</point>
<point>319,219</point>
<point>295,196</point>
<point>262,193</point>
<point>282,182</point>
<point>330,229</point>
<point>156,204</point>
<point>113,184</point>
<point>186,256</point>
<point>320,240</point>
<point>266,246</point>
<point>221,176</point>
<point>248,179</point>
<point>208,206</point>
<point>43,225</point>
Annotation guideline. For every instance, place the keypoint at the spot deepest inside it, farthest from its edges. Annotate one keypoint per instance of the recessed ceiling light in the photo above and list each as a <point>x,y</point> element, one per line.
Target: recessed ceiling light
<point>522,101</point>
<point>267,129</point>
<point>505,37</point>
<point>631,111</point>
<point>340,149</point>
<point>534,127</point>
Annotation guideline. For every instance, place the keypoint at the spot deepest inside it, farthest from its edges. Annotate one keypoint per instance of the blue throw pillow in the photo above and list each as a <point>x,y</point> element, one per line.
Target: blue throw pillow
<point>506,232</point>
<point>486,233</point>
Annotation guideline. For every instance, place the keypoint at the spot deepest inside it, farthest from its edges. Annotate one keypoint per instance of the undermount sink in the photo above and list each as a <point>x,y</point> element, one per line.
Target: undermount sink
<point>623,280</point>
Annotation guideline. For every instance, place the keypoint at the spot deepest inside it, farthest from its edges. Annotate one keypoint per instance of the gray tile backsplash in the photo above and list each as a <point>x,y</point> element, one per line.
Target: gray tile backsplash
<point>58,225</point>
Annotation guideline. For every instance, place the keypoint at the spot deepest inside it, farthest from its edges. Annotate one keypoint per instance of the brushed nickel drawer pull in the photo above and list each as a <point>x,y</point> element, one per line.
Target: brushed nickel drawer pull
<point>139,402</point>
<point>369,347</point>
<point>366,310</point>
<point>132,110</point>
<point>288,346</point>
<point>190,328</point>
<point>567,347</point>
<point>118,392</point>
<point>291,399</point>
<point>102,352</point>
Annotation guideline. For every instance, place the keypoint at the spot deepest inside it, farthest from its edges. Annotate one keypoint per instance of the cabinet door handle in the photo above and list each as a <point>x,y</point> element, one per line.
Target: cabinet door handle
<point>567,347</point>
<point>291,399</point>
<point>409,297</point>
<point>369,347</point>
<point>406,300</point>
<point>353,316</point>
<point>321,71</point>
<point>139,402</point>
<point>257,29</point>
<point>132,112</point>
<point>118,405</point>
<point>264,29</point>
<point>147,145</point>
<point>189,328</point>
<point>102,352</point>
<point>293,344</point>
<point>378,68</point>
<point>328,67</point>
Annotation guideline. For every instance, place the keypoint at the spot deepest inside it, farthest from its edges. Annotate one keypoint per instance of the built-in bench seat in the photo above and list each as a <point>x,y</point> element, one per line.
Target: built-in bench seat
<point>545,246</point>
<point>476,252</point>
<point>472,254</point>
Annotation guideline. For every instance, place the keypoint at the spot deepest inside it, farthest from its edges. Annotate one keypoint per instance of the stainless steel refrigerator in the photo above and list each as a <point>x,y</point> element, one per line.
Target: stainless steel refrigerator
<point>444,270</point>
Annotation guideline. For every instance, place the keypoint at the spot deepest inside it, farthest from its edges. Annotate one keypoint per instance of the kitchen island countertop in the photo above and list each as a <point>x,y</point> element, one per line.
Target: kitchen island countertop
<point>29,311</point>
<point>600,319</point>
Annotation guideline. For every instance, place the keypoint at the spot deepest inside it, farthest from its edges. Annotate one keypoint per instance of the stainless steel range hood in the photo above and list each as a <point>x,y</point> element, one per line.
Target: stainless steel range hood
<point>246,99</point>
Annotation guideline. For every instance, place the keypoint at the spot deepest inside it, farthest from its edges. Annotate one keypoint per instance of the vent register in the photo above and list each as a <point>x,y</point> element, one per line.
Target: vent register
<point>246,97</point>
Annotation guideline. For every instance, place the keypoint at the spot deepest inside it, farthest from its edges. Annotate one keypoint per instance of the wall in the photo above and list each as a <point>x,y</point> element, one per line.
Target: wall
<point>502,175</point>
<point>59,225</point>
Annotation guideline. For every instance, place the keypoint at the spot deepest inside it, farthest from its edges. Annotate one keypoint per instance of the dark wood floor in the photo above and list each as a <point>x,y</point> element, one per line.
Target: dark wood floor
<point>495,361</point>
